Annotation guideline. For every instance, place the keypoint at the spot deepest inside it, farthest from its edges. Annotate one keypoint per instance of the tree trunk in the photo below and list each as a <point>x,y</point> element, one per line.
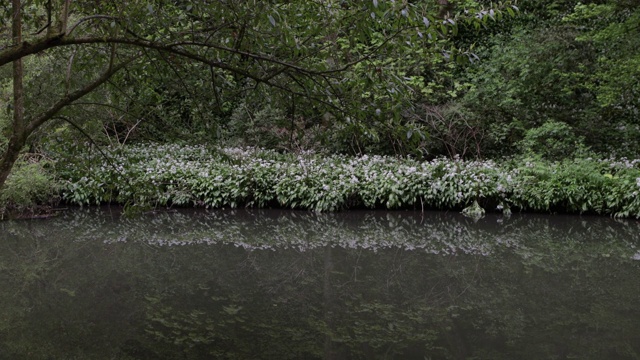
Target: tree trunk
<point>9,157</point>
<point>18,137</point>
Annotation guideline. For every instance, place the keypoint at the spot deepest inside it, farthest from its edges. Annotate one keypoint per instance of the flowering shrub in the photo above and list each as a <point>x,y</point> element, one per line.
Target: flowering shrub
<point>166,175</point>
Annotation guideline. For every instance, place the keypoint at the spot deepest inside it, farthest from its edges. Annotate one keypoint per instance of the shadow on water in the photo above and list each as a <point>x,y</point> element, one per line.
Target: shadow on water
<point>261,284</point>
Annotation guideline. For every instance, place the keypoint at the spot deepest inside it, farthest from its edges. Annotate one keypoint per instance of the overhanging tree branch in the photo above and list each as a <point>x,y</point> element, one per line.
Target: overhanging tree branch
<point>29,48</point>
<point>69,98</point>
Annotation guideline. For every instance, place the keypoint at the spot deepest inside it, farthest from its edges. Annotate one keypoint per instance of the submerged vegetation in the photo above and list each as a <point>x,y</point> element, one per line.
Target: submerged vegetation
<point>153,175</point>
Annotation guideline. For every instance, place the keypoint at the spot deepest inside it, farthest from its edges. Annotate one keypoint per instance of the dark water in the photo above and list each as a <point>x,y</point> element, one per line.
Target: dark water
<point>298,285</point>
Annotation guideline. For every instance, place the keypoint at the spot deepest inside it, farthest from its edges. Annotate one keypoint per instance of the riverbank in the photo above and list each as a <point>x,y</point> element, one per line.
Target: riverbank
<point>198,176</point>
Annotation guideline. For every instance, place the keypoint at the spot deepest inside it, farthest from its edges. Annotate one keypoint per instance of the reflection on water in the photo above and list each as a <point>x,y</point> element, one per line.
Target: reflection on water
<point>298,285</point>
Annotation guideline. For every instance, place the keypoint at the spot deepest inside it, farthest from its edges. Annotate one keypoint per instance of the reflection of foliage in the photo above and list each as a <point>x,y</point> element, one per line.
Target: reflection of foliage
<point>271,284</point>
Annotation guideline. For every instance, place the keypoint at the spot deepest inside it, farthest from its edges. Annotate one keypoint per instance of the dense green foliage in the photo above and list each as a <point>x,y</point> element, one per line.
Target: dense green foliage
<point>168,175</point>
<point>564,62</point>
<point>558,62</point>
<point>551,80</point>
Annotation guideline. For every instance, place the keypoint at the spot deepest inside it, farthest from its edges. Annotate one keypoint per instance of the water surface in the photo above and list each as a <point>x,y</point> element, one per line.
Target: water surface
<point>262,284</point>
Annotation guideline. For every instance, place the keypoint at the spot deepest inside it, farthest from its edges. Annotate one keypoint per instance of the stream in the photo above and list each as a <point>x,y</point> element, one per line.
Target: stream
<point>282,284</point>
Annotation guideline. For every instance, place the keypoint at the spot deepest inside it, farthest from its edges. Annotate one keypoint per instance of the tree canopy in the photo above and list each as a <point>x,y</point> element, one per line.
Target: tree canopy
<point>346,59</point>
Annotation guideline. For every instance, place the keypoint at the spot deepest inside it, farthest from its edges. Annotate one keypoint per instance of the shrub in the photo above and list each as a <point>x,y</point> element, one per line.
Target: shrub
<point>552,141</point>
<point>30,184</point>
<point>266,126</point>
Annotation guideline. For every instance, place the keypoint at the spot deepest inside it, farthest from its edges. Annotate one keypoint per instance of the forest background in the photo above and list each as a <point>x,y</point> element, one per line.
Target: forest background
<point>545,80</point>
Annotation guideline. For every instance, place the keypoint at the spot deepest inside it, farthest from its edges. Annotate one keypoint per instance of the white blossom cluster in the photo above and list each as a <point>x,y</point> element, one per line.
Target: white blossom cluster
<point>163,175</point>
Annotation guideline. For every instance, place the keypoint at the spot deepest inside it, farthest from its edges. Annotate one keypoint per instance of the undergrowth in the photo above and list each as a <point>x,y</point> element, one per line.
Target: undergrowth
<point>30,185</point>
<point>153,175</point>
